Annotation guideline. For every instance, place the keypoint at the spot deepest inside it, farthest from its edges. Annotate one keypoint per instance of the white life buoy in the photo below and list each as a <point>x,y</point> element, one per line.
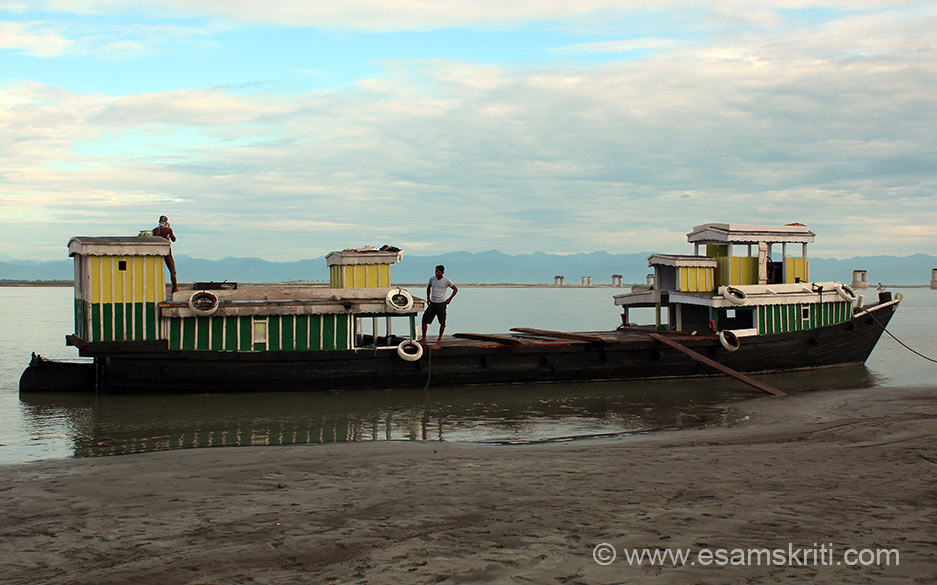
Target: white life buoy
<point>409,350</point>
<point>845,291</point>
<point>729,340</point>
<point>736,296</point>
<point>399,300</point>
<point>203,303</point>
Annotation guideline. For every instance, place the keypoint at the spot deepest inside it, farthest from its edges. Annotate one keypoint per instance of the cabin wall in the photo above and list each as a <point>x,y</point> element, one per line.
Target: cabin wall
<point>665,277</point>
<point>696,279</point>
<point>116,297</point>
<point>259,333</point>
<point>359,275</point>
<point>801,316</point>
<point>736,270</point>
<point>796,267</point>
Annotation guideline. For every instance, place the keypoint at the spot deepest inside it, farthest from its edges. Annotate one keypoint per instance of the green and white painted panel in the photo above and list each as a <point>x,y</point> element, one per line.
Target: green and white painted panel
<point>262,333</point>
<point>799,317</point>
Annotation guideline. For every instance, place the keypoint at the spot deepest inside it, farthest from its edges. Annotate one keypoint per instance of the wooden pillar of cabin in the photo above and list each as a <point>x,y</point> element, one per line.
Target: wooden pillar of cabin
<point>728,263</point>
<point>806,262</point>
<point>764,251</point>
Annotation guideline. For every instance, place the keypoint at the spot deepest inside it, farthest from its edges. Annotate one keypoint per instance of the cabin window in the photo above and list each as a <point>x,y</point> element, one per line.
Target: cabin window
<point>260,331</point>
<point>730,313</point>
<point>805,313</point>
<point>121,265</point>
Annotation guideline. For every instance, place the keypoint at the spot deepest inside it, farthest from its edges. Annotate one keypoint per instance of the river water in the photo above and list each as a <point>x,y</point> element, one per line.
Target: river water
<point>57,426</point>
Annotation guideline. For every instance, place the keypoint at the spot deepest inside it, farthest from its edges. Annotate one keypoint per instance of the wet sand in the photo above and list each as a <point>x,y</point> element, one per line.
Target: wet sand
<point>857,469</point>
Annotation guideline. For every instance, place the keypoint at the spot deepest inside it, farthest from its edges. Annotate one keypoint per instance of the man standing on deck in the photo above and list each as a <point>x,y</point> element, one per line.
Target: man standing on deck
<point>164,231</point>
<point>436,297</point>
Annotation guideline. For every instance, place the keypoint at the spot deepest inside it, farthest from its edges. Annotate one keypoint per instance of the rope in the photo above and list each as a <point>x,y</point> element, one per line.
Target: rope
<point>901,343</point>
<point>429,366</point>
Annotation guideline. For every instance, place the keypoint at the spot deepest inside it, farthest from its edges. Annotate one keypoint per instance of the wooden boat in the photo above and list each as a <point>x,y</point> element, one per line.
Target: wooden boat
<point>730,309</point>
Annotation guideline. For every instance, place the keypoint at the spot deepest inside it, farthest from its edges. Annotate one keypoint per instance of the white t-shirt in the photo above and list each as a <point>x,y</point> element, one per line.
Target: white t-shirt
<point>438,288</point>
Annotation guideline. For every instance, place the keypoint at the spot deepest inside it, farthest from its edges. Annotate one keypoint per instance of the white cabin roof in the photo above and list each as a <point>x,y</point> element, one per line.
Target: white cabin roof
<point>352,257</point>
<point>681,260</point>
<point>118,246</point>
<point>728,233</point>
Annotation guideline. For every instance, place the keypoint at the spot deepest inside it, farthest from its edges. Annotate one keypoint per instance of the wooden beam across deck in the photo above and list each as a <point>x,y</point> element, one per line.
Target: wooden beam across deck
<point>564,335</point>
<point>714,364</point>
<point>502,339</point>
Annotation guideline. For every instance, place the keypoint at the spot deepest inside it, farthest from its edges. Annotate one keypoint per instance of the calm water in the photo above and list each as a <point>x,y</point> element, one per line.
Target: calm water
<point>55,426</point>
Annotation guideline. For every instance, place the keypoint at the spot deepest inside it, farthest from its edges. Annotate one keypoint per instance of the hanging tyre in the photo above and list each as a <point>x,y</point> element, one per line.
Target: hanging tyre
<point>409,350</point>
<point>845,292</point>
<point>729,340</point>
<point>203,303</point>
<point>736,296</point>
<point>399,300</point>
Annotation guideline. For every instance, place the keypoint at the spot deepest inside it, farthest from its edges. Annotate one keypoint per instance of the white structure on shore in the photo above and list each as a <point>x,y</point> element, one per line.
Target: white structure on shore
<point>860,279</point>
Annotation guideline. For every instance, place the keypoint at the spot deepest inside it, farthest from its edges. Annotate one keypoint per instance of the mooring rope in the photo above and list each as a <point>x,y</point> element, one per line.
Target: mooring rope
<point>429,366</point>
<point>903,344</point>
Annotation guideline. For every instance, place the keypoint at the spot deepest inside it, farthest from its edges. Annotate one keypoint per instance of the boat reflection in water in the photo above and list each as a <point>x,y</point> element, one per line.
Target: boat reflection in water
<point>115,425</point>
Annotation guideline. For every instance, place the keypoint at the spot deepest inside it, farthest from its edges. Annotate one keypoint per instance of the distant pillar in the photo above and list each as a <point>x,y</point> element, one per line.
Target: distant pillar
<point>583,281</point>
<point>860,279</point>
<point>933,279</point>
<point>589,280</point>
<point>650,280</point>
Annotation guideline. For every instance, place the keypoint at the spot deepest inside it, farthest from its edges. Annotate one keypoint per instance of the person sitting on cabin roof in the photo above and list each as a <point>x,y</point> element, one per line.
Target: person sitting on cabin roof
<point>164,231</point>
<point>437,301</point>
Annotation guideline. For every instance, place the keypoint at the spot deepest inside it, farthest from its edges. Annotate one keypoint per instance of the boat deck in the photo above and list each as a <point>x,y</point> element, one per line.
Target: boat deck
<point>539,337</point>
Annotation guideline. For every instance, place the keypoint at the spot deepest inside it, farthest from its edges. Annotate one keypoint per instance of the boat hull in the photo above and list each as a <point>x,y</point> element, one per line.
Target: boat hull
<point>631,354</point>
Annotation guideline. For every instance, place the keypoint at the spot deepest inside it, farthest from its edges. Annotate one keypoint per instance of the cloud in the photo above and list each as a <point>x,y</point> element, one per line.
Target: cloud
<point>31,38</point>
<point>831,125</point>
<point>612,47</point>
<point>421,15</point>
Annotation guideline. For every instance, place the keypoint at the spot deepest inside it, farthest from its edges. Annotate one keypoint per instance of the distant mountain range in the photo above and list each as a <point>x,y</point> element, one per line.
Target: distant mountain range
<point>485,267</point>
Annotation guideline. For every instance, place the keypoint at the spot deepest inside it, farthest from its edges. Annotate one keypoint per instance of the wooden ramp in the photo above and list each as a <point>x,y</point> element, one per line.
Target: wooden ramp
<point>714,364</point>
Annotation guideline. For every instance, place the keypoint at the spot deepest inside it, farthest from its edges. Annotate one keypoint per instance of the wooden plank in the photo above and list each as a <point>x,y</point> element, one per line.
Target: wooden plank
<point>714,364</point>
<point>502,339</point>
<point>563,335</point>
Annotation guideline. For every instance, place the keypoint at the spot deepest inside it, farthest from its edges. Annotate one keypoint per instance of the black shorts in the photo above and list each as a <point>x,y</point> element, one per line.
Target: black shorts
<point>437,310</point>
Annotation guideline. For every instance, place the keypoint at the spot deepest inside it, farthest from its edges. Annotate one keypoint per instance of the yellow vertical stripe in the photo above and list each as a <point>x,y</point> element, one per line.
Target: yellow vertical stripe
<point>384,275</point>
<point>107,278</point>
<point>148,289</point>
<point>361,276</point>
<point>122,287</point>
<point>160,279</point>
<point>372,275</point>
<point>152,277</point>
<point>94,267</point>
<point>137,263</point>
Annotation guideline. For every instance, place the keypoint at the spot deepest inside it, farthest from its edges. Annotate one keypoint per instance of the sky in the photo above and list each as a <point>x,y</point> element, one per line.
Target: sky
<point>284,130</point>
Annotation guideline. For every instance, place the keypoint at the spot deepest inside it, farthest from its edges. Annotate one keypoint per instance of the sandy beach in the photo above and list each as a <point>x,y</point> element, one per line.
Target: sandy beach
<point>845,470</point>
